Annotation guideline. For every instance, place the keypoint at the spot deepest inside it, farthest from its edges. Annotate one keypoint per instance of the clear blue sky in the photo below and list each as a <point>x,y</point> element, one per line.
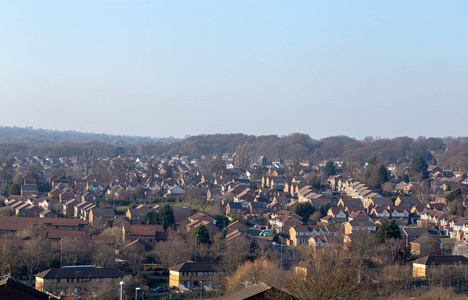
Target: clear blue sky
<point>162,68</point>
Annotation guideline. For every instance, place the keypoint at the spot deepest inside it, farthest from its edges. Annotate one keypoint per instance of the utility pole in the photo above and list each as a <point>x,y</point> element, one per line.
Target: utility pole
<point>61,240</point>
<point>281,250</point>
<point>196,236</point>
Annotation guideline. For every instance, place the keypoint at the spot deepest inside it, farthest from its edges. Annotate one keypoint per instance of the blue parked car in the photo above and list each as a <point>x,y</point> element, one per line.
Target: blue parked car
<point>159,289</point>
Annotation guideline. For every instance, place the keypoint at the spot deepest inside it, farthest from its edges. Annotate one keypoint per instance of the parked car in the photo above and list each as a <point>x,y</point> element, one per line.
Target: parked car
<point>257,226</point>
<point>265,232</point>
<point>159,289</point>
<point>262,227</point>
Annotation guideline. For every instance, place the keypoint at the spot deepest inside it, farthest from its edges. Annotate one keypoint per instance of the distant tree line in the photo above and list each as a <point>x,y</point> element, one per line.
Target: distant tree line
<point>449,152</point>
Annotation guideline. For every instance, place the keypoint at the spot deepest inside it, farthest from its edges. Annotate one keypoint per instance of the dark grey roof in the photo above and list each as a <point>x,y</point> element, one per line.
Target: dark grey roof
<point>248,292</point>
<point>133,184</point>
<point>352,202</point>
<point>235,204</point>
<point>362,223</point>
<point>442,260</point>
<point>105,212</point>
<point>29,187</point>
<point>257,290</point>
<point>409,201</point>
<point>382,201</point>
<point>27,290</point>
<point>419,231</point>
<point>81,272</point>
<point>135,212</point>
<point>258,204</point>
<point>191,266</point>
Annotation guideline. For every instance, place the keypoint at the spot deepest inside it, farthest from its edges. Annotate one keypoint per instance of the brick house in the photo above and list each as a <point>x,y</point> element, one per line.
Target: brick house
<point>192,275</point>
<point>77,280</point>
<point>100,216</point>
<point>148,233</point>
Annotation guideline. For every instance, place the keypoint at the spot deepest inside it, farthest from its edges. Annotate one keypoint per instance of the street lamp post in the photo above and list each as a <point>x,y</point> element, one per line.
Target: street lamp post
<point>136,292</point>
<point>121,289</point>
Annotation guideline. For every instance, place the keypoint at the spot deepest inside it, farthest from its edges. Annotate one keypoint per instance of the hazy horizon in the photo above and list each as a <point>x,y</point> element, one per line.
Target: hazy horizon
<point>232,133</point>
<point>160,69</point>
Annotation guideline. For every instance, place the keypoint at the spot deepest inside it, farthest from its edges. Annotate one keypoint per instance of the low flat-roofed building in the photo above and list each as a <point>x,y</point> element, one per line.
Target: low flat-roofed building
<point>421,266</point>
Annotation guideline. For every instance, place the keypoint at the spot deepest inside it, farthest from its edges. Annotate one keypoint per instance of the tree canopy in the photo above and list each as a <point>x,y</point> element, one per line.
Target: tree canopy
<point>304,210</point>
<point>455,195</point>
<point>201,234</point>
<point>380,177</point>
<point>168,173</point>
<point>218,166</point>
<point>387,230</point>
<point>329,169</point>
<point>315,181</point>
<point>14,189</point>
<point>419,166</point>
<point>164,217</point>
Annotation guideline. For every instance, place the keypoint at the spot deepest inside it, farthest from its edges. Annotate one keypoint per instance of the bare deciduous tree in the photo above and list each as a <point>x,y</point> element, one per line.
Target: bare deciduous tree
<point>103,256</point>
<point>234,254</point>
<point>7,211</point>
<point>75,252</point>
<point>394,278</point>
<point>116,232</point>
<point>8,258</point>
<point>106,290</point>
<point>35,256</point>
<point>260,270</point>
<point>361,247</point>
<point>135,260</point>
<point>422,191</point>
<point>173,252</point>
<point>394,249</point>
<point>460,249</point>
<point>196,198</point>
<point>330,275</point>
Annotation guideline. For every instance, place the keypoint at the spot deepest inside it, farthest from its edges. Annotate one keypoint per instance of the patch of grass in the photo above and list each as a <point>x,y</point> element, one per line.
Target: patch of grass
<point>122,208</point>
